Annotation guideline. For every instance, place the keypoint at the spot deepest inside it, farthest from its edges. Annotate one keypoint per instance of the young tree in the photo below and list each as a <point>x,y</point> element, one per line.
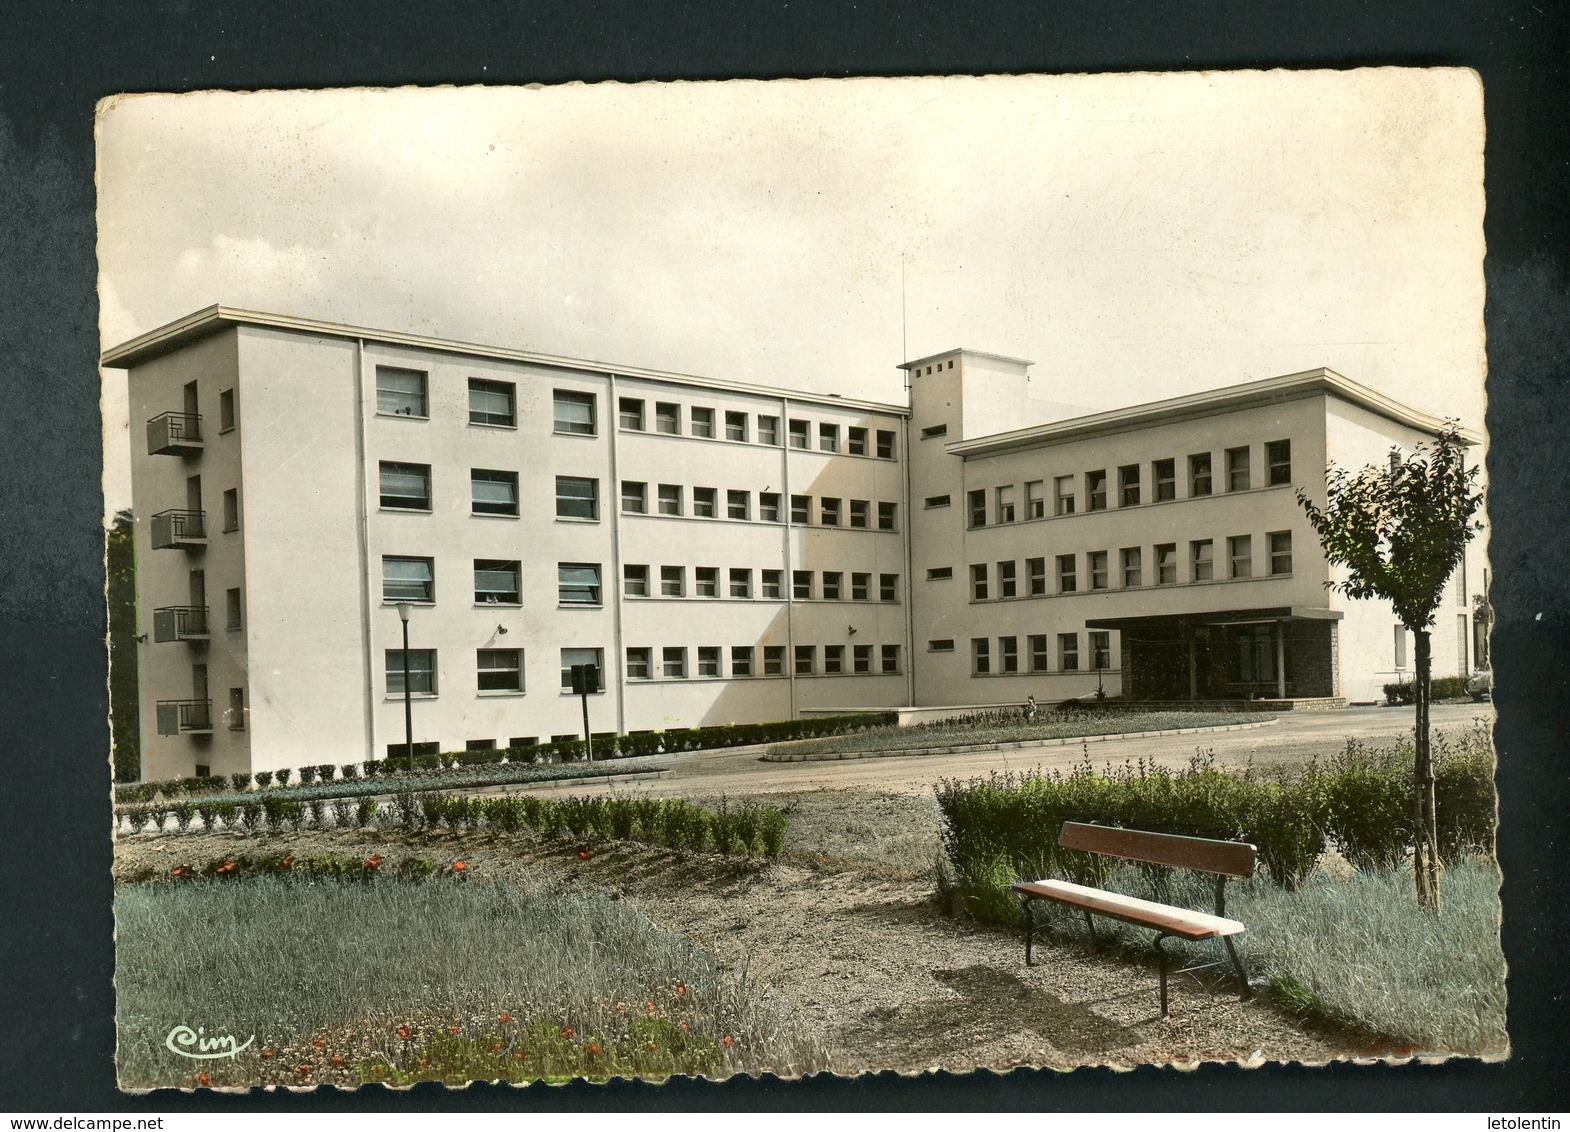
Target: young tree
<point>1400,531</point>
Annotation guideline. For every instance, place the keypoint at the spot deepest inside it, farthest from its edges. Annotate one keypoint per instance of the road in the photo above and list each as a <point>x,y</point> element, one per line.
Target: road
<point>1294,738</point>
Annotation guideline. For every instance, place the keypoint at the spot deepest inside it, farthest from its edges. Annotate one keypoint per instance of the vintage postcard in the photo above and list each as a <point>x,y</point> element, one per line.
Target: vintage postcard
<point>798,577</point>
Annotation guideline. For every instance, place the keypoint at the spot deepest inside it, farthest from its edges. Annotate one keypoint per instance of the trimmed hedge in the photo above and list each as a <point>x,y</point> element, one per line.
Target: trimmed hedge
<point>1440,688</point>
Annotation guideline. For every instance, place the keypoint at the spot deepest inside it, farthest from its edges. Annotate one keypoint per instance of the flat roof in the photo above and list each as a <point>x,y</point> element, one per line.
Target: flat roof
<point>1271,390</point>
<point>963,350</point>
<point>211,320</point>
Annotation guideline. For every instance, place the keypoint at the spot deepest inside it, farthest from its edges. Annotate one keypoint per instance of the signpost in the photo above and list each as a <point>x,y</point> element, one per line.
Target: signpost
<point>586,679</point>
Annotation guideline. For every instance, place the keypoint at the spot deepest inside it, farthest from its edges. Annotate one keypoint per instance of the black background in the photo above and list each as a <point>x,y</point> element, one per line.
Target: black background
<point>57,59</point>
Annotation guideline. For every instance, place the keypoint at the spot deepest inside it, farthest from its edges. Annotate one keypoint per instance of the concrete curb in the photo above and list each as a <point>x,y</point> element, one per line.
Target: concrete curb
<point>1028,744</point>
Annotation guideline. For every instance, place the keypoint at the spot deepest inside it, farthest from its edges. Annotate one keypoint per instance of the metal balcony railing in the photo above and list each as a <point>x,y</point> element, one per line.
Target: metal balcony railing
<point>179,530</point>
<point>180,623</point>
<point>174,434</point>
<point>176,717</point>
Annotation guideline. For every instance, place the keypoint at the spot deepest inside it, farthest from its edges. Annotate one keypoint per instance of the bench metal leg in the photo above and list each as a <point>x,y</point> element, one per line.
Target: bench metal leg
<point>1162,960</point>
<point>1237,965</point>
<point>1027,920</point>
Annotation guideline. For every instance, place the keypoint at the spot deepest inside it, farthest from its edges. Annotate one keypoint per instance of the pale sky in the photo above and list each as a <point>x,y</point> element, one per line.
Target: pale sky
<point>1137,236</point>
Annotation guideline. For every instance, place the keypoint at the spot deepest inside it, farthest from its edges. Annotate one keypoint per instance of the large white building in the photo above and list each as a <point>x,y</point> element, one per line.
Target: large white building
<point>724,552</point>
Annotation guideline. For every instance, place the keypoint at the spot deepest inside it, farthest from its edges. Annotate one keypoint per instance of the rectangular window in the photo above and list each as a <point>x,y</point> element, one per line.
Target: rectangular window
<point>943,645</point>
<point>705,502</point>
<point>1068,652</point>
<point>833,659</point>
<point>1035,500</point>
<point>735,425</point>
<point>422,672</point>
<point>491,403</point>
<point>639,664</point>
<point>940,573</point>
<point>1133,567</point>
<point>768,507</point>
<point>1280,553</point>
<point>631,417</point>
<point>1201,555</point>
<point>768,430</point>
<point>635,581</point>
<point>806,660</point>
<point>1240,552</point>
<point>1008,654</point>
<point>577,498</point>
<point>1199,475</point>
<point>888,587</point>
<point>978,582</point>
<point>702,422</point>
<point>634,497</point>
<point>1278,461</point>
<point>1100,651</point>
<point>889,657</point>
<point>673,663</point>
<point>670,499</point>
<point>499,670</point>
<point>1005,496</point>
<point>800,434</point>
<point>708,660</point>
<point>885,445</point>
<point>1063,495</point>
<point>232,509</point>
<point>1164,473</point>
<point>860,585</point>
<point>1098,569</point>
<point>829,511</point>
<point>496,582</point>
<point>407,579</point>
<point>771,584</point>
<point>574,412</point>
<point>226,410</point>
<point>1006,579</point>
<point>861,659</point>
<point>578,583</point>
<point>1096,491</point>
<point>856,441</point>
<point>236,610</point>
<point>833,581</point>
<point>1036,576</point>
<point>801,585</point>
<point>236,709</point>
<point>1128,485</point>
<point>741,660</point>
<point>886,515</point>
<point>405,487</point>
<point>1237,469</point>
<point>1039,660</point>
<point>667,418</point>
<point>673,581</point>
<point>977,507</point>
<point>980,656</point>
<point>1068,576</point>
<point>740,582</point>
<point>933,432</point>
<point>493,492</point>
<point>828,438</point>
<point>936,501</point>
<point>774,660</point>
<point>800,510</point>
<point>1166,564</point>
<point>400,392</point>
<point>859,509</point>
<point>706,581</point>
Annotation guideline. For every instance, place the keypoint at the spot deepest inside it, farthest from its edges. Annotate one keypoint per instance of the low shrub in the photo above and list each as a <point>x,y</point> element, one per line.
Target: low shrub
<point>350,771</point>
<point>364,811</point>
<point>307,775</point>
<point>324,772</point>
<point>1440,688</point>
<point>240,781</point>
<point>282,776</point>
<point>183,813</point>
<point>264,779</point>
<point>343,813</point>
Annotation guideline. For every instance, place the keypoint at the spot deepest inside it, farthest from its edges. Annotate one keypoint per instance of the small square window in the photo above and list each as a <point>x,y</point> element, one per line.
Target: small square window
<point>580,658</point>
<point>578,583</point>
<point>400,392</point>
<point>800,434</point>
<point>738,505</point>
<point>491,403</point>
<point>639,663</point>
<point>708,660</point>
<point>768,507</point>
<point>806,660</point>
<point>670,499</point>
<point>673,581</point>
<point>577,498</point>
<point>885,445</point>
<point>861,659</point>
<point>890,658</point>
<point>405,487</point>
<point>574,412</point>
<point>634,497</point>
<point>635,581</point>
<point>829,511</point>
<point>740,582</point>
<point>496,582</point>
<point>856,441</point>
<point>421,672</point>
<point>706,581</point>
<point>704,502</point>
<point>703,423</point>
<point>800,510</point>
<point>494,492</point>
<point>741,660</point>
<point>801,585</point>
<point>630,413</point>
<point>886,516</point>
<point>735,426</point>
<point>859,510</point>
<point>833,582</point>
<point>860,586</point>
<point>772,584</point>
<point>404,579</point>
<point>774,660</point>
<point>833,659</point>
<point>673,663</point>
<point>768,430</point>
<point>499,670</point>
<point>828,438</point>
<point>667,418</point>
<point>888,587</point>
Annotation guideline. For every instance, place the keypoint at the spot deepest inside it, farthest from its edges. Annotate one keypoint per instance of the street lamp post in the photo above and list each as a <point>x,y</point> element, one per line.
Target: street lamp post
<point>408,711</point>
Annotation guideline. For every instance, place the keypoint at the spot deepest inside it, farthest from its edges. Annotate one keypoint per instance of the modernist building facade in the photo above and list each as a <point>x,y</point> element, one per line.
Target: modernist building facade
<point>722,552</point>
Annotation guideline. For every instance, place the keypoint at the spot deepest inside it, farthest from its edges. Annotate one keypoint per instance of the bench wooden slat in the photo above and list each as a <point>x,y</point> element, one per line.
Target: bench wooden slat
<point>1132,910</point>
<point>1201,854</point>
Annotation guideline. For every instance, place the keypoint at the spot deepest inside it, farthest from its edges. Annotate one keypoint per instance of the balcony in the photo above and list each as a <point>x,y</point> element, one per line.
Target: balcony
<point>180,530</point>
<point>180,623</point>
<point>185,717</point>
<point>174,434</point>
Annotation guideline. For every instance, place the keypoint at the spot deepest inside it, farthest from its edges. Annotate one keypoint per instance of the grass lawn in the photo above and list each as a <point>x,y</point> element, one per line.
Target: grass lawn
<point>1011,727</point>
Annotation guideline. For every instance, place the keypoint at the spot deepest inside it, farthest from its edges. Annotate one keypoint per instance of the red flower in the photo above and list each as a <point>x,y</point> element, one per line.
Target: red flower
<point>373,862</point>
<point>521,1055</point>
<point>203,1080</point>
<point>337,1059</point>
<point>452,1029</point>
<point>621,1008</point>
<point>403,1032</point>
<point>650,1007</point>
<point>178,871</point>
<point>505,1016</point>
<point>226,868</point>
<point>684,1027</point>
<point>681,988</point>
<point>496,1047</point>
<point>584,853</point>
<point>594,1048</point>
<point>303,1070</point>
<point>727,1041</point>
<point>267,1053</point>
<point>459,866</point>
<point>567,1032</point>
<point>320,1043</point>
<point>287,861</point>
<point>650,1046</point>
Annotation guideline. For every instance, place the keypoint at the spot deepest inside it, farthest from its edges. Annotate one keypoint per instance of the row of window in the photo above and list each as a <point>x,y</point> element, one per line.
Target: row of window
<point>406,393</point>
<point>500,671</point>
<point>990,507</point>
<point>1004,582</point>
<point>499,582</point>
<point>670,499</point>
<point>1006,659</point>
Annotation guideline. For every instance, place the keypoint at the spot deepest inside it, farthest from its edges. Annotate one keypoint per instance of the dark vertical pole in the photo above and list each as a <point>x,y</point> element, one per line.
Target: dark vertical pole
<point>588,743</point>
<point>408,712</point>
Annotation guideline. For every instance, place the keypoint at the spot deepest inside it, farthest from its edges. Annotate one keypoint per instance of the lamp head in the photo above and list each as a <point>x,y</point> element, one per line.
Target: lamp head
<point>403,608</point>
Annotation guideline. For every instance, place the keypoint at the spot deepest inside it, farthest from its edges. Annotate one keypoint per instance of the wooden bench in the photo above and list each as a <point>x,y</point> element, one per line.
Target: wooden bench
<point>1223,859</point>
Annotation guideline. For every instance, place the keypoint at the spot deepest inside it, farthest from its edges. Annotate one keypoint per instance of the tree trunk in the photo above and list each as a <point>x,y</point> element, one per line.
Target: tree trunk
<point>1426,865</point>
